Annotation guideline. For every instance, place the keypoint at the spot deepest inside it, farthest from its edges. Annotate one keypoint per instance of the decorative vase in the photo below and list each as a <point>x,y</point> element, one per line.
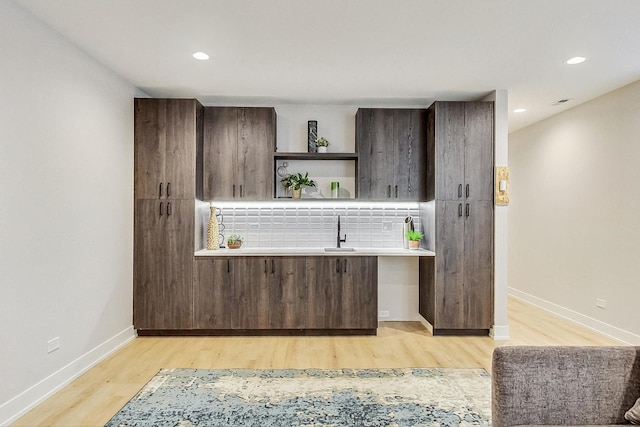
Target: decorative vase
<point>296,193</point>
<point>414,244</point>
<point>322,149</point>
<point>213,231</point>
<point>234,245</point>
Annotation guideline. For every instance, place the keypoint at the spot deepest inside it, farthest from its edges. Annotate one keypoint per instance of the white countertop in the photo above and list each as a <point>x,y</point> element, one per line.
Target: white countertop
<point>314,252</point>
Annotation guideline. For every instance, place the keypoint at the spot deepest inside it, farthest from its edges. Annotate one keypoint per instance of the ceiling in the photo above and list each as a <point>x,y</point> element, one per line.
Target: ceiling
<point>369,52</point>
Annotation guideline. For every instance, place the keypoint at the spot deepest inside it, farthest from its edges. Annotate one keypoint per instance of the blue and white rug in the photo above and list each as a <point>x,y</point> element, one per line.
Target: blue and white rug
<point>311,397</point>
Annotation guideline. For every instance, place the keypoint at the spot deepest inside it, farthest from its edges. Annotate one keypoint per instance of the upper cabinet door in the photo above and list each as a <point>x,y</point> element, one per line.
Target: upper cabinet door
<point>220,152</point>
<point>180,163</point>
<point>449,134</point>
<point>238,153</point>
<point>410,149</point>
<point>165,148</point>
<point>375,147</point>
<point>256,145</point>
<point>149,147</point>
<point>479,157</point>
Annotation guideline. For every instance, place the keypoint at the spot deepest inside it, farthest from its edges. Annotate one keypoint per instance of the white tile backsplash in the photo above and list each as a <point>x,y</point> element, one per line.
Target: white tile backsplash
<point>279,224</point>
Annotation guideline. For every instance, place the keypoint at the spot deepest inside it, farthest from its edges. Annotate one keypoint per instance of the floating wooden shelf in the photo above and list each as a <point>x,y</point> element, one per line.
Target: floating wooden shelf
<point>315,156</point>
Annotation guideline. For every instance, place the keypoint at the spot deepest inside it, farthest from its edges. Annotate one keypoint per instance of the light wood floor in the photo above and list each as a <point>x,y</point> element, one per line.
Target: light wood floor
<point>93,398</point>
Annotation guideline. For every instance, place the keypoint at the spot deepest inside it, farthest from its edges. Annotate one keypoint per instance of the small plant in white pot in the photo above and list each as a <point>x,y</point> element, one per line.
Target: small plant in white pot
<point>414,239</point>
<point>295,182</point>
<point>322,144</point>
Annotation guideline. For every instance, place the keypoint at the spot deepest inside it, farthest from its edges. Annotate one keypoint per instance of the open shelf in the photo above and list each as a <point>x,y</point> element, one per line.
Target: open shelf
<point>315,156</point>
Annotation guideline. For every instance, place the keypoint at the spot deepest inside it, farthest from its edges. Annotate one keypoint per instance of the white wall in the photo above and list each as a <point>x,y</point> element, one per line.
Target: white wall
<point>66,216</point>
<point>574,233</point>
<point>500,328</point>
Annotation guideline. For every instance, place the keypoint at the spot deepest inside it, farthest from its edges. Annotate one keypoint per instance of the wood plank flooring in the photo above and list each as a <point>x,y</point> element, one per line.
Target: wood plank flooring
<point>93,398</point>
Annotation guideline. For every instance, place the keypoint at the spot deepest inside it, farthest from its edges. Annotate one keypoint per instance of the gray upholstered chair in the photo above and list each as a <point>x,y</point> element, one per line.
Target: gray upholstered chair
<point>564,385</point>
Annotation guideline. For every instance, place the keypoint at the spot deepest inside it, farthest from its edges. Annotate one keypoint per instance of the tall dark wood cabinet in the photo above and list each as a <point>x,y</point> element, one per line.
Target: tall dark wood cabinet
<point>342,293</point>
<point>391,147</point>
<point>456,288</point>
<point>238,153</point>
<point>166,133</point>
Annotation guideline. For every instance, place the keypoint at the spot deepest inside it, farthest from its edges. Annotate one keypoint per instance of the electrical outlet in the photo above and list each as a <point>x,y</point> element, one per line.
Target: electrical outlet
<point>601,303</point>
<point>383,313</point>
<point>53,345</point>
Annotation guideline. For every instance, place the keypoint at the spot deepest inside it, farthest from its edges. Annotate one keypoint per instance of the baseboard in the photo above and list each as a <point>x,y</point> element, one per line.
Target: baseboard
<point>499,332</point>
<point>613,332</point>
<point>33,396</point>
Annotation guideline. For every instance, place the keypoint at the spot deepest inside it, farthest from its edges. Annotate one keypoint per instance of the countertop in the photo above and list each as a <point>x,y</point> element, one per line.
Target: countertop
<point>314,252</point>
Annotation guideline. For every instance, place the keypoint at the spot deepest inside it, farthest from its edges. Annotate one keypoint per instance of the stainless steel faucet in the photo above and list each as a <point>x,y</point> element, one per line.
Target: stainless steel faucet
<point>339,240</point>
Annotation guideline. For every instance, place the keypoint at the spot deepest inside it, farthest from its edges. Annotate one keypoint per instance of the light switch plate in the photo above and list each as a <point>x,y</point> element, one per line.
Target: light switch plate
<point>502,196</point>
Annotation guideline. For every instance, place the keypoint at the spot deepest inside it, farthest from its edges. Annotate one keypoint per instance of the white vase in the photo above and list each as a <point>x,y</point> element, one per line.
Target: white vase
<point>322,149</point>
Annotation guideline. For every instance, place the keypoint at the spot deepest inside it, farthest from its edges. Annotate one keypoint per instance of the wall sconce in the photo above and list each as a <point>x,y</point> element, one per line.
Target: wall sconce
<point>502,185</point>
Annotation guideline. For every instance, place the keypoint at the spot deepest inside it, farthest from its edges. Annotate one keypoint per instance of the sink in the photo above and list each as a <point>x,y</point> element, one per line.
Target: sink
<point>339,249</point>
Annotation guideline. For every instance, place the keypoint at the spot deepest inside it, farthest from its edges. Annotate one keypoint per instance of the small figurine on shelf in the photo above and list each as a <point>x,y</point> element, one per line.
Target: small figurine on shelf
<point>322,144</point>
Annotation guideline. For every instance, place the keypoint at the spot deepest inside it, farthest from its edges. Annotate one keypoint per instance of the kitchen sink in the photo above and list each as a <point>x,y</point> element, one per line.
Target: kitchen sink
<point>339,249</point>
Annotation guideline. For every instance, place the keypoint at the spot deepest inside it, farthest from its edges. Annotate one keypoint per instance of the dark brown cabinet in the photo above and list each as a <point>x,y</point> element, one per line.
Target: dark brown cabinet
<point>166,138</point>
<point>269,293</point>
<point>238,153</point>
<point>342,293</point>
<point>165,149</point>
<point>213,293</point>
<point>391,147</point>
<point>456,288</point>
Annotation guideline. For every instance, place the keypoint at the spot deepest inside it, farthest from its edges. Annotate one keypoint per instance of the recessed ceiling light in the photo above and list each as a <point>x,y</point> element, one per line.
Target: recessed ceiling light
<point>519,110</point>
<point>576,60</point>
<point>201,56</point>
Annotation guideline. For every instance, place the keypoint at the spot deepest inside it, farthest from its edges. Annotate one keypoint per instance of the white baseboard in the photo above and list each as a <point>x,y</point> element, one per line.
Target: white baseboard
<point>613,332</point>
<point>499,332</point>
<point>14,408</point>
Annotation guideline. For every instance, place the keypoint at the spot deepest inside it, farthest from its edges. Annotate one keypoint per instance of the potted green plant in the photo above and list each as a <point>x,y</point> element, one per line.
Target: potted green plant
<point>295,182</point>
<point>322,144</point>
<point>414,239</point>
<point>234,241</point>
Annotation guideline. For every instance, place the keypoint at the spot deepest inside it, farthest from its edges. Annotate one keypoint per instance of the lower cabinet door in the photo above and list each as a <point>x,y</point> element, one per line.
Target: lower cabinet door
<point>342,293</point>
<point>251,293</point>
<point>287,293</point>
<point>324,293</point>
<point>213,293</point>
<point>359,292</point>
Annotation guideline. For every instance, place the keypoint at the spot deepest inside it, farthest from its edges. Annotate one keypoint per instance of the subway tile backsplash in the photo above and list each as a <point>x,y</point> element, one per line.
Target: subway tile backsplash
<point>313,224</point>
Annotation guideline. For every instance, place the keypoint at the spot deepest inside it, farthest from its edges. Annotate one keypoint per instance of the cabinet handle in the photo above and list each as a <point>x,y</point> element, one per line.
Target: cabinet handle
<point>459,209</point>
<point>168,208</point>
<point>460,190</point>
<point>160,208</point>
<point>234,190</point>
<point>273,267</point>
<point>337,266</point>
<point>228,265</point>
<point>168,189</point>
<point>160,191</point>
<point>466,210</point>
<point>265,265</point>
<point>466,191</point>
<point>241,192</point>
<point>389,191</point>
<point>396,191</point>
<point>345,265</point>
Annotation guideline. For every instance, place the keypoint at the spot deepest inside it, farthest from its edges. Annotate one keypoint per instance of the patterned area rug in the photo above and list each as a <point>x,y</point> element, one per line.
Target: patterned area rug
<point>311,397</point>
